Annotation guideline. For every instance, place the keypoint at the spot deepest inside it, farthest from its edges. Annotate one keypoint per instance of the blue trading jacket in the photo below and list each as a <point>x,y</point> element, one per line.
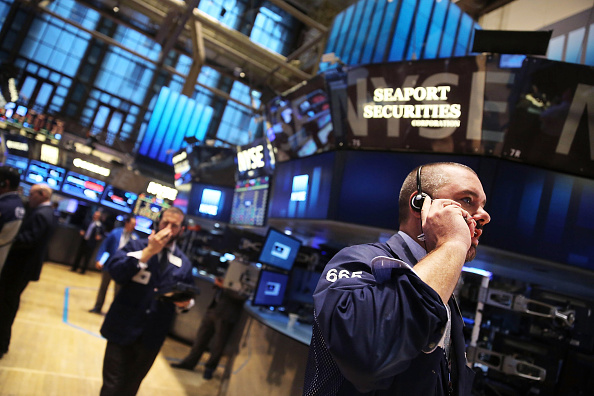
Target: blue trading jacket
<point>136,312</point>
<point>373,338</point>
<point>111,242</point>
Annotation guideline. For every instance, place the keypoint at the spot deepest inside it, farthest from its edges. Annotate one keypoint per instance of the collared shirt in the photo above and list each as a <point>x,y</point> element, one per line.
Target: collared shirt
<point>124,239</point>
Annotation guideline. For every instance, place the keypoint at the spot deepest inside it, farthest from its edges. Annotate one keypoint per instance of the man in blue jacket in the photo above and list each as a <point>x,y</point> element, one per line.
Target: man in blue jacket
<point>115,240</point>
<point>386,322</point>
<point>138,320</point>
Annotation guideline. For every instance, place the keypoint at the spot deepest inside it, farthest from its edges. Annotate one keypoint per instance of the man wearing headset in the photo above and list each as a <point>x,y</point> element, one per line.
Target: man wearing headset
<point>138,320</point>
<point>386,322</point>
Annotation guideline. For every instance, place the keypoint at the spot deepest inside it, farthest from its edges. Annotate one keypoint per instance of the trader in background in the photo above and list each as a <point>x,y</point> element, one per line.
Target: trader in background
<point>142,312</point>
<point>115,240</point>
<point>25,258</point>
<point>386,322</point>
<point>91,235</point>
<point>12,210</point>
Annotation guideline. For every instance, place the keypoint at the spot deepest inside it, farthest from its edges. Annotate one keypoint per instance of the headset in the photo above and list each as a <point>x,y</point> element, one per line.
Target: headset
<point>416,202</point>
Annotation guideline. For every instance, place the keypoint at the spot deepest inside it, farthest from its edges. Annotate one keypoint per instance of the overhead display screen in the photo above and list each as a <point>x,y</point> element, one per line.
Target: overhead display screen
<point>211,202</point>
<point>83,186</point>
<point>302,188</point>
<point>17,162</point>
<point>300,124</point>
<point>40,172</point>
<point>250,202</point>
<point>119,199</point>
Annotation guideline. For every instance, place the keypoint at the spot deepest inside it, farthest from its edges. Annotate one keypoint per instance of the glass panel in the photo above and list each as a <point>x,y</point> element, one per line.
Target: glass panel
<point>402,30</point>
<point>362,35</point>
<point>449,34</point>
<point>590,47</point>
<point>385,32</point>
<point>466,25</point>
<point>575,44</point>
<point>556,45</point>
<point>435,31</point>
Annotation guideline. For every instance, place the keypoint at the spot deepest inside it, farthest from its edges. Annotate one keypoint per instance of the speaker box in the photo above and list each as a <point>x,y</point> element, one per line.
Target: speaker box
<point>511,42</point>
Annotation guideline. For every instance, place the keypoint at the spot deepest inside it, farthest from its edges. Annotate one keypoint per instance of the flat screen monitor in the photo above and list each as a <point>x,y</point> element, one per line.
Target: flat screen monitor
<point>68,205</point>
<point>250,202</point>
<point>270,289</point>
<point>41,172</point>
<point>24,189</point>
<point>17,162</point>
<point>144,224</point>
<point>149,206</point>
<point>210,202</point>
<point>302,188</point>
<point>83,186</point>
<point>118,199</point>
<point>279,250</point>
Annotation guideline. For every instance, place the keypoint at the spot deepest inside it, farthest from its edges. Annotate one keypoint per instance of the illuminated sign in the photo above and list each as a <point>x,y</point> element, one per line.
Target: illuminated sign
<point>432,115</point>
<point>50,154</point>
<point>250,159</point>
<point>181,165</point>
<point>161,191</point>
<point>14,145</point>
<point>84,149</point>
<point>91,167</point>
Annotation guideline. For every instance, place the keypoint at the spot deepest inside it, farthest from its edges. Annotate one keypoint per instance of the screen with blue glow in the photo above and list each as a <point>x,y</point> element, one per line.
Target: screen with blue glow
<point>302,188</point>
<point>279,250</point>
<point>119,199</point>
<point>83,186</point>
<point>210,202</point>
<point>143,224</point>
<point>270,289</point>
<point>17,162</point>
<point>41,172</point>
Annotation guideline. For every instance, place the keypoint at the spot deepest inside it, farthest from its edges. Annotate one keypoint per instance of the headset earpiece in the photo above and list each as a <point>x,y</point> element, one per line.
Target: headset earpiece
<point>416,202</point>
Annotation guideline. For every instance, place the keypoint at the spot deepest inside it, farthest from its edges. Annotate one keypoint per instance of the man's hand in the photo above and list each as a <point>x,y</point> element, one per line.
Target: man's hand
<point>444,221</point>
<point>156,243</point>
<point>98,265</point>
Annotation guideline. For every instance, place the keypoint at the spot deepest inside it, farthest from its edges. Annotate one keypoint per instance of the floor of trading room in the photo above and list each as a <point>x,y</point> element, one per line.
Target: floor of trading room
<point>56,348</point>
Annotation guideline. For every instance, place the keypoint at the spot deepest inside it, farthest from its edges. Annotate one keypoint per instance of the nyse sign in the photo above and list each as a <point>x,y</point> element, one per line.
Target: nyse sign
<point>542,113</point>
<point>416,105</point>
<point>251,158</point>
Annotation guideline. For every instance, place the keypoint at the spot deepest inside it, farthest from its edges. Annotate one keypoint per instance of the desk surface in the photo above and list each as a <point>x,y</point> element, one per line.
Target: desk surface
<point>280,322</point>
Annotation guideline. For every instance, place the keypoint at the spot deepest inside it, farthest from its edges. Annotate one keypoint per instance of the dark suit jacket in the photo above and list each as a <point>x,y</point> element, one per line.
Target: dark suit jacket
<point>136,312</point>
<point>92,241</point>
<point>30,246</point>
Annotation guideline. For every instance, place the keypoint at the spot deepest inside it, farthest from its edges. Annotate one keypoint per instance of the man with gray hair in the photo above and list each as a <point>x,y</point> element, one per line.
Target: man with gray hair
<point>25,258</point>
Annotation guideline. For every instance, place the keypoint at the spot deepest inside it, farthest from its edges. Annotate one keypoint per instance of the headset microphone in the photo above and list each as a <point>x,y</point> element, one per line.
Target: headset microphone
<point>416,202</point>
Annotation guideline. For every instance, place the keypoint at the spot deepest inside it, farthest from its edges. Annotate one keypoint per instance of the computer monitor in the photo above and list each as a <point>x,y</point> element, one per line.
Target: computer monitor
<point>119,199</point>
<point>143,224</point>
<point>42,172</point>
<point>279,250</point>
<point>250,201</point>
<point>17,162</point>
<point>83,186</point>
<point>68,205</point>
<point>270,289</point>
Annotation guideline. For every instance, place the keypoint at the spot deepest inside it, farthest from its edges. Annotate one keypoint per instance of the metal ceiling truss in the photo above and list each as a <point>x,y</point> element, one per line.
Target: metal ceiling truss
<point>178,25</point>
